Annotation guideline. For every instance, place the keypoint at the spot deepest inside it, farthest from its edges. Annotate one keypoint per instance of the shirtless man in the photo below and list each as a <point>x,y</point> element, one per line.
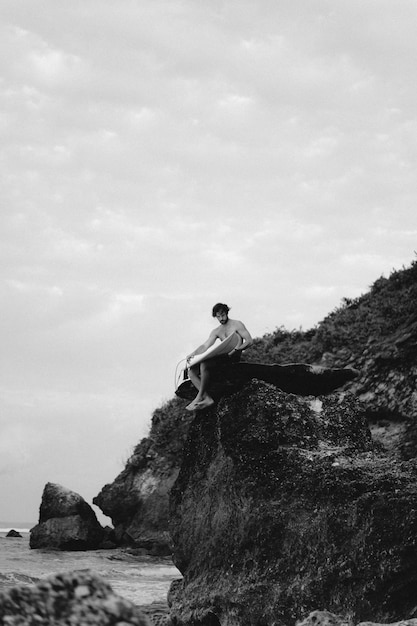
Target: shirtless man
<point>200,374</point>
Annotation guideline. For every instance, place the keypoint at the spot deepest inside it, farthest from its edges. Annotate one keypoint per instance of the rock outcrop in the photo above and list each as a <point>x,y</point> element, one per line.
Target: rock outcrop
<point>78,597</point>
<point>14,533</point>
<point>376,334</point>
<point>282,506</point>
<point>66,522</point>
<point>137,500</point>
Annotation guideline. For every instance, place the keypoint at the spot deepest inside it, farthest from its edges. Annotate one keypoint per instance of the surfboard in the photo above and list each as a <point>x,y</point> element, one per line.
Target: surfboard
<point>218,349</point>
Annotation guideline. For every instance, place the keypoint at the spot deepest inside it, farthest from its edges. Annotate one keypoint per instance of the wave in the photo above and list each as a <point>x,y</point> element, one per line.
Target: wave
<point>10,579</point>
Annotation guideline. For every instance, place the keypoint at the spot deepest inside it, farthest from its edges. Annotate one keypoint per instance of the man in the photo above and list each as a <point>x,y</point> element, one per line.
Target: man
<point>200,374</point>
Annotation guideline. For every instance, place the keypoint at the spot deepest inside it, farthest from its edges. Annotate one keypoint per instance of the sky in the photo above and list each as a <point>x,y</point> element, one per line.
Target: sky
<point>159,156</point>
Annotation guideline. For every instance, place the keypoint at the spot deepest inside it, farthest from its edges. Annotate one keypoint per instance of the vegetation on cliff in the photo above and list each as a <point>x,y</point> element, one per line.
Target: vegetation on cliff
<point>382,322</point>
<point>379,326</point>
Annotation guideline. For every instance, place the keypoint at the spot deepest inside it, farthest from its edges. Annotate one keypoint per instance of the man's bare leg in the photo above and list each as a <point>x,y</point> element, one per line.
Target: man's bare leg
<point>202,399</point>
<point>195,379</point>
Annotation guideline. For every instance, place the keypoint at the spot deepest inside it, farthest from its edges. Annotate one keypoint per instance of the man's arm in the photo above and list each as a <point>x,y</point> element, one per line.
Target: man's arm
<point>204,346</point>
<point>245,334</point>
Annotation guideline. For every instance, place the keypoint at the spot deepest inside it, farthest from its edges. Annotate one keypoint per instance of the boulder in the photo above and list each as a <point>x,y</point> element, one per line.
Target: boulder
<point>14,533</point>
<point>79,597</point>
<point>283,505</point>
<point>66,522</point>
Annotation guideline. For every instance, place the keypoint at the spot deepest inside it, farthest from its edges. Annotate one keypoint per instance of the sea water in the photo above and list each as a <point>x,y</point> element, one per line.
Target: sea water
<point>140,579</point>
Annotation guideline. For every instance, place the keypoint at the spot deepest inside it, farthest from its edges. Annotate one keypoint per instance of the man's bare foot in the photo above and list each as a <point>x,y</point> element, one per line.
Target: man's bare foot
<point>203,404</point>
<point>191,406</point>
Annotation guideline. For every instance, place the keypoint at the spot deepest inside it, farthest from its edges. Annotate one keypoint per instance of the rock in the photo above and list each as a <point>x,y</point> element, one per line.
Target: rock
<point>79,597</point>
<point>14,533</point>
<point>403,622</point>
<point>66,522</point>
<point>322,618</point>
<point>325,618</point>
<point>137,500</point>
<point>281,505</point>
<point>157,613</point>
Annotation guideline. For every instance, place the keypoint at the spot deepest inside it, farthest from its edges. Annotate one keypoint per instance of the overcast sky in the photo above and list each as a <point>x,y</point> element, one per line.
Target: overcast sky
<point>160,156</point>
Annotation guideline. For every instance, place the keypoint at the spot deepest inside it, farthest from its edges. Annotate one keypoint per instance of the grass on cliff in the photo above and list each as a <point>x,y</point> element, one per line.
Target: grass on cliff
<point>386,314</point>
<point>166,438</point>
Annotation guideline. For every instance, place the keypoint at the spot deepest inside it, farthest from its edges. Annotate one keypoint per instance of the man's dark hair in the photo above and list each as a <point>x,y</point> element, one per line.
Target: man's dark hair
<point>219,307</point>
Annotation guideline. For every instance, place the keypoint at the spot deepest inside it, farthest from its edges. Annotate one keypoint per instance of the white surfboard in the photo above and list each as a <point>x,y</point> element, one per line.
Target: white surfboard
<point>218,349</point>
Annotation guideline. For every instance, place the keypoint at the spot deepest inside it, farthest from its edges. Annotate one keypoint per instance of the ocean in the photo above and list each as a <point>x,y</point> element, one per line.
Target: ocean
<point>141,579</point>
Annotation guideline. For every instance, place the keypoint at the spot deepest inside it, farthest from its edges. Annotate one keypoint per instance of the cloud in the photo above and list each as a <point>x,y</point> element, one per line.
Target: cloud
<point>160,157</point>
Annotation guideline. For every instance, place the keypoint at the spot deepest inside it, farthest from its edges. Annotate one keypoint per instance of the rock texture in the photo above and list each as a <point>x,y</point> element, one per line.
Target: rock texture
<point>80,598</point>
<point>376,334</point>
<point>325,618</point>
<point>282,506</point>
<point>14,533</point>
<point>137,500</point>
<point>66,522</point>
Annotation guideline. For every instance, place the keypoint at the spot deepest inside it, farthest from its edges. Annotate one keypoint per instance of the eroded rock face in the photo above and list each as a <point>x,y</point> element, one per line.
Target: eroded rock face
<point>282,506</point>
<point>137,500</point>
<point>78,597</point>
<point>66,522</point>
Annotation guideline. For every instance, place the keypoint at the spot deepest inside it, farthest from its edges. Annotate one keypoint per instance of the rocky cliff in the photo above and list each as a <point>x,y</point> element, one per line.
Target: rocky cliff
<point>376,334</point>
<point>282,506</point>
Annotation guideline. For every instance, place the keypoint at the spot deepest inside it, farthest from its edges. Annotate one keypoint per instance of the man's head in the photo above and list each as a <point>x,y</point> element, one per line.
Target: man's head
<point>221,311</point>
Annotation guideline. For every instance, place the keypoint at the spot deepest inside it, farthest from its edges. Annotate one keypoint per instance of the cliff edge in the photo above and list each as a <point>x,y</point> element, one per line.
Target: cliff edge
<point>137,500</point>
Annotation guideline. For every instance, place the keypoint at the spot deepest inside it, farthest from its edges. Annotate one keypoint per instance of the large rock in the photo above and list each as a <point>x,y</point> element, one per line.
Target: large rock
<point>137,500</point>
<point>66,522</point>
<point>282,506</point>
<point>79,597</point>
